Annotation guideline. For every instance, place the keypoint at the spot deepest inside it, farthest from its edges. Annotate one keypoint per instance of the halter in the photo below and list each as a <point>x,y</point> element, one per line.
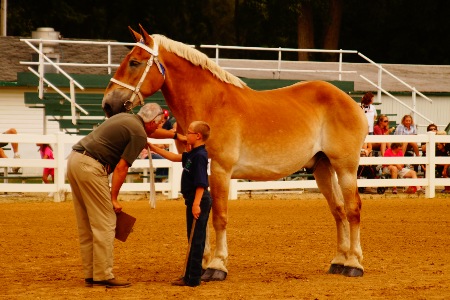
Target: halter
<point>136,90</point>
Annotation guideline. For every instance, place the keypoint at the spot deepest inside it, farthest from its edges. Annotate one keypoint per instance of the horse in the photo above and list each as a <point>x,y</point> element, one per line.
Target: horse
<point>256,135</point>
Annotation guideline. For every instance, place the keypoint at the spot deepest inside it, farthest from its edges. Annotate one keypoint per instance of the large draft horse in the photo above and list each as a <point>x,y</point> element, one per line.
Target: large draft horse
<point>258,135</point>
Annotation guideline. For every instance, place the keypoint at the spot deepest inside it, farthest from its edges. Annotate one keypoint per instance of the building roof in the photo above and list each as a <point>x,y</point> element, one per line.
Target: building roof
<point>425,78</point>
<point>13,51</point>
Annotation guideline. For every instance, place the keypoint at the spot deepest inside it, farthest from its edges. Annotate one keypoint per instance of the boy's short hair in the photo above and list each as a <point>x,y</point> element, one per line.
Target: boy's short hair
<point>202,128</point>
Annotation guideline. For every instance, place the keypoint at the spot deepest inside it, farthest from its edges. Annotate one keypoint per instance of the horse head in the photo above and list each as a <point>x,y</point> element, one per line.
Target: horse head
<point>130,85</point>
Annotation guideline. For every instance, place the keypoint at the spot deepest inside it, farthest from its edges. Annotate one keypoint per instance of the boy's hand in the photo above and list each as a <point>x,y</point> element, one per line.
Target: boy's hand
<point>196,211</point>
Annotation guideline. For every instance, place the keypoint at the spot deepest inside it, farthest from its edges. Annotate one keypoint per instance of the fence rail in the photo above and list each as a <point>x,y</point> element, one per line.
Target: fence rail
<point>62,144</point>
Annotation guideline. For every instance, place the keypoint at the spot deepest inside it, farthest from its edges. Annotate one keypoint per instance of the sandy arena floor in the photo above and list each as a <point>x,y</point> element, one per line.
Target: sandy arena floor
<point>280,248</point>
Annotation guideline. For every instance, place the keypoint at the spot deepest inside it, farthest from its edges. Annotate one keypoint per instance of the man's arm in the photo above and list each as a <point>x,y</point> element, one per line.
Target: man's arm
<point>160,133</point>
<point>118,177</point>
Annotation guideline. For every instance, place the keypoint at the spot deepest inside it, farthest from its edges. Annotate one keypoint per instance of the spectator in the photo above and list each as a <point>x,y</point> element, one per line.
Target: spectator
<point>168,121</point>
<point>434,128</point>
<point>407,127</point>
<point>15,147</point>
<point>399,170</point>
<point>369,110</point>
<point>443,170</point>
<point>371,115</point>
<point>431,127</point>
<point>382,128</point>
<point>46,152</point>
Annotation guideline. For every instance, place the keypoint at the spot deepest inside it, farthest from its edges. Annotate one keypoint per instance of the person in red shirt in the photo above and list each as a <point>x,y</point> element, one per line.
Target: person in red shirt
<point>399,170</point>
<point>382,128</point>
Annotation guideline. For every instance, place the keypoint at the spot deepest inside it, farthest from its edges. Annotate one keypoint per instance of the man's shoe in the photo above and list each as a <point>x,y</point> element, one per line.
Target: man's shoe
<point>114,283</point>
<point>89,282</point>
<point>394,191</point>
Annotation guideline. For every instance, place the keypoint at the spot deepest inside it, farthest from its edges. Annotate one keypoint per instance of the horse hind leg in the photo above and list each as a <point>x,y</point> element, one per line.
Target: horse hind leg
<point>349,253</point>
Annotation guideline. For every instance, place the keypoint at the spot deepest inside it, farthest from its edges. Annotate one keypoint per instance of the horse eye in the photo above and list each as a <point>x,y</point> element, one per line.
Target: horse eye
<point>134,63</point>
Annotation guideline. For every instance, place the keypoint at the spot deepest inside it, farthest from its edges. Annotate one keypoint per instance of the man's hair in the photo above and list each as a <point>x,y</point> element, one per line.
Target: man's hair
<point>202,128</point>
<point>151,112</point>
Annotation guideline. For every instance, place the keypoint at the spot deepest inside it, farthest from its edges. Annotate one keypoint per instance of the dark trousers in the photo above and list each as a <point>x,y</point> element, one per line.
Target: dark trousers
<point>193,273</point>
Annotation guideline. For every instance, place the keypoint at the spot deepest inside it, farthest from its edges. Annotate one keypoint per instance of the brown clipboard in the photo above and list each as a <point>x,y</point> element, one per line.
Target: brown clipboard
<point>124,226</point>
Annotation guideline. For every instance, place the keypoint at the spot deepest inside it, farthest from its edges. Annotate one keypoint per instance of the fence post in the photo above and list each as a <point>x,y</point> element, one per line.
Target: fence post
<point>430,174</point>
<point>233,191</point>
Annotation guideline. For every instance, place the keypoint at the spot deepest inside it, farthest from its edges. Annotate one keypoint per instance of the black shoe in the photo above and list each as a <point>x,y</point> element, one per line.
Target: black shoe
<point>110,283</point>
<point>89,282</point>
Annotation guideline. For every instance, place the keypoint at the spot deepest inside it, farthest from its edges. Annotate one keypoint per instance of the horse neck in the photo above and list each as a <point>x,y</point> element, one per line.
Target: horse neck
<point>183,88</point>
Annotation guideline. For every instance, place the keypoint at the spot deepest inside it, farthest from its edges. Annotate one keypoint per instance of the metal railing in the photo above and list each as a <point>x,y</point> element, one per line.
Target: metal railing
<point>378,86</point>
<point>44,60</point>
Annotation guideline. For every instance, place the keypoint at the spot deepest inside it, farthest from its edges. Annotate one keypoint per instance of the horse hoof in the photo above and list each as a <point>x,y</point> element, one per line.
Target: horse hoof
<point>214,275</point>
<point>352,272</point>
<point>336,269</point>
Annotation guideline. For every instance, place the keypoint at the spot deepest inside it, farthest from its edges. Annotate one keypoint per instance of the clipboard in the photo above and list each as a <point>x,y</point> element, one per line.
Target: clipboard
<point>124,226</point>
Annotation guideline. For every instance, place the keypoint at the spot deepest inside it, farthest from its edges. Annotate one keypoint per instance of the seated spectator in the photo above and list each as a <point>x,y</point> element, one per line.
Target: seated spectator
<point>382,128</point>
<point>432,127</point>
<point>168,121</point>
<point>443,170</point>
<point>407,127</point>
<point>399,170</point>
<point>15,147</point>
<point>46,152</point>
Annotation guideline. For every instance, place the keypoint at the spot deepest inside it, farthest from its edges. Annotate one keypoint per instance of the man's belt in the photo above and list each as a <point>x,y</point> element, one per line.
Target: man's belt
<point>105,165</point>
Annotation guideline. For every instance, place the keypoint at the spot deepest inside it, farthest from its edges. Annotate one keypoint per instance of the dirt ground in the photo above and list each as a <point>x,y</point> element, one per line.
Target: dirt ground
<point>279,248</point>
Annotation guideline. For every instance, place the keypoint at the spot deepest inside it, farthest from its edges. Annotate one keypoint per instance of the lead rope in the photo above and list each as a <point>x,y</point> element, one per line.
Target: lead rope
<point>152,200</point>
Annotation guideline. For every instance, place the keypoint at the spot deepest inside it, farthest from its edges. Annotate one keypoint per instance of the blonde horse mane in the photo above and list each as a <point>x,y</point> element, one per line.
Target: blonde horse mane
<point>198,59</point>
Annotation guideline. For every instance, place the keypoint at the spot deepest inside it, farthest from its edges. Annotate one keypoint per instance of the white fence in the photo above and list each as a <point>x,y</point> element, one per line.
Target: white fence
<point>62,144</point>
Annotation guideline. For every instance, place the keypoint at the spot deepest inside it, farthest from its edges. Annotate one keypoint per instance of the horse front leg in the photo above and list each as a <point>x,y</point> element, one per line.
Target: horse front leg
<point>216,269</point>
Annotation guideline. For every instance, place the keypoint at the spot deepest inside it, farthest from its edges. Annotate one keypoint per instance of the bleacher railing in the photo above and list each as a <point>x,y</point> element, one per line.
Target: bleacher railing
<point>340,71</point>
<point>44,61</point>
<point>62,144</point>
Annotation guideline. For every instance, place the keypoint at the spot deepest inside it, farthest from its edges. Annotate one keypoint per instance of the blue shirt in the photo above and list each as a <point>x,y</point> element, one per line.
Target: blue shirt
<point>195,174</point>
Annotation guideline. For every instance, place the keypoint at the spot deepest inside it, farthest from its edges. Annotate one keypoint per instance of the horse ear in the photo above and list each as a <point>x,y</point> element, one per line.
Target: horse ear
<point>145,35</point>
<point>136,35</point>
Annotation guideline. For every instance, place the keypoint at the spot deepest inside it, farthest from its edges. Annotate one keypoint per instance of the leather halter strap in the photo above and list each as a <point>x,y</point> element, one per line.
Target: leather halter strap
<point>136,90</point>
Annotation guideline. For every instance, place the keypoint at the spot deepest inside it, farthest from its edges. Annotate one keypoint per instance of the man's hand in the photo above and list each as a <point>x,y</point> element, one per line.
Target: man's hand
<point>117,207</point>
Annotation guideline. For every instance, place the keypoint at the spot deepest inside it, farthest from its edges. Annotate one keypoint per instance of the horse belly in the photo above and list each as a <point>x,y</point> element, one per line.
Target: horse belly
<point>270,165</point>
